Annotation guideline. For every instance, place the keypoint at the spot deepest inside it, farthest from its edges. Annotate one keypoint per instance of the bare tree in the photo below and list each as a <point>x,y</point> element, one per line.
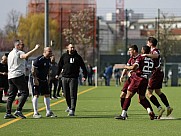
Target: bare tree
<point>166,37</point>
<point>12,24</point>
<point>80,31</point>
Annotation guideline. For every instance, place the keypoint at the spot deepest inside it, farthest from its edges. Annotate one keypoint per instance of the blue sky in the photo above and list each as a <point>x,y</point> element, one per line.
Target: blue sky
<point>102,6</point>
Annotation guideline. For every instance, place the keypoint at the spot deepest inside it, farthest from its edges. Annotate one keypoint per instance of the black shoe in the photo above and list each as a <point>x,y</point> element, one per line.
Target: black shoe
<point>152,115</point>
<point>120,117</point>
<point>9,116</point>
<point>156,117</point>
<point>19,114</point>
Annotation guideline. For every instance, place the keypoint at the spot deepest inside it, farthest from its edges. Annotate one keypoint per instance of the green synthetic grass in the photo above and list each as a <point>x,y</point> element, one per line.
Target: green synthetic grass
<point>95,117</point>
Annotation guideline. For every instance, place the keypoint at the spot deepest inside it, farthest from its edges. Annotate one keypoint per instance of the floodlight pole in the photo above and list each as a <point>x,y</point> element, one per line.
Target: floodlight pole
<point>158,31</point>
<point>61,39</point>
<point>126,35</point>
<point>46,24</point>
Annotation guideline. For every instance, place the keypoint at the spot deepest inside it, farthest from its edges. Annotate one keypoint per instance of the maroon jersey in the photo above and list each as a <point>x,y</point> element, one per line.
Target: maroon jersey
<point>130,62</point>
<point>145,66</point>
<point>139,80</point>
<point>156,79</point>
<point>157,61</point>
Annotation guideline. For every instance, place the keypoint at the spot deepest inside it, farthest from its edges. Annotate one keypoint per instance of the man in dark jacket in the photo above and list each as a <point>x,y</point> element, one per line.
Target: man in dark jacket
<point>69,65</point>
<point>53,82</point>
<point>90,73</point>
<point>3,77</point>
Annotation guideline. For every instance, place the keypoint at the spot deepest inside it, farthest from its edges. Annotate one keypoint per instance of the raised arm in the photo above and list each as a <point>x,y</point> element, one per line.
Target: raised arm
<point>28,54</point>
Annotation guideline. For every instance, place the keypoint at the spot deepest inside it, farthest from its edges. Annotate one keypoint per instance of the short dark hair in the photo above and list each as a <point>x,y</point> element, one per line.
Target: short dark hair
<point>134,47</point>
<point>16,42</point>
<point>153,40</point>
<point>146,49</point>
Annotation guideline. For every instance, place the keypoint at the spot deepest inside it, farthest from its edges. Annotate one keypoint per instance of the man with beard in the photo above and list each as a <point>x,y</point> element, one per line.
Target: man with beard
<point>69,65</point>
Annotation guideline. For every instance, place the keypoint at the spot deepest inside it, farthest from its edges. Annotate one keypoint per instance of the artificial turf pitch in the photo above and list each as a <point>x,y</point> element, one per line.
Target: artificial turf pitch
<point>95,112</point>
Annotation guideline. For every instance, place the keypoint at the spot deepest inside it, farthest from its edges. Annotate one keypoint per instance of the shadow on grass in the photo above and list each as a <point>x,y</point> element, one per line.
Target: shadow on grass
<point>97,117</point>
<point>168,118</point>
<point>94,111</point>
<point>76,117</point>
<point>93,116</point>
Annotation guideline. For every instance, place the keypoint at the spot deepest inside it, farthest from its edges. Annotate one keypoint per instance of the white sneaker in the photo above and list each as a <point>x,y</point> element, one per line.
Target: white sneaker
<point>58,96</point>
<point>51,114</point>
<point>37,116</point>
<point>67,110</point>
<point>71,113</point>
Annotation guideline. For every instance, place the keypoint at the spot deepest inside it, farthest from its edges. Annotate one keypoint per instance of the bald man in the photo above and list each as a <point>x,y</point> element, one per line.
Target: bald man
<point>40,72</point>
<point>16,77</point>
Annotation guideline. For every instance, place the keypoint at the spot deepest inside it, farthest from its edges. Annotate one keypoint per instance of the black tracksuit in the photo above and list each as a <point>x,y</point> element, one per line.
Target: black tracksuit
<point>69,65</point>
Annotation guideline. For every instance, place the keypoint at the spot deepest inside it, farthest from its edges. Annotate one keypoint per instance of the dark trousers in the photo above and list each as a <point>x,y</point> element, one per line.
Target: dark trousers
<point>1,95</point>
<point>70,86</point>
<point>89,80</point>
<point>3,87</point>
<point>59,86</point>
<point>15,84</point>
<point>53,82</point>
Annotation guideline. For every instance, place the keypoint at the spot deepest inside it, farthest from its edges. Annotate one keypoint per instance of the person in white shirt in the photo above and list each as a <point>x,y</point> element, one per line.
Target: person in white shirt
<point>16,78</point>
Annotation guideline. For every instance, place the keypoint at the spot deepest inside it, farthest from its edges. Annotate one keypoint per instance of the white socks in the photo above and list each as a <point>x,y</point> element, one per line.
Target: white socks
<point>149,110</point>
<point>123,114</point>
<point>35,104</point>
<point>47,104</point>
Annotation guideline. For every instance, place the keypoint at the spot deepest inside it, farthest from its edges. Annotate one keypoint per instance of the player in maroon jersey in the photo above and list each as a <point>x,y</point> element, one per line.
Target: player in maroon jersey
<point>139,81</point>
<point>133,52</point>
<point>156,79</point>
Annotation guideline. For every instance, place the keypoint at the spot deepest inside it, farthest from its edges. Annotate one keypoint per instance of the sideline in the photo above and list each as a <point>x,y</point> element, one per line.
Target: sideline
<point>43,108</point>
